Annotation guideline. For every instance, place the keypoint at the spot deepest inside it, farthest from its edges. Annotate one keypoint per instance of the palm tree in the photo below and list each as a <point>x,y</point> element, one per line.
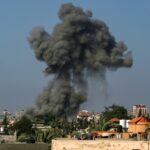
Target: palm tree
<point>103,124</point>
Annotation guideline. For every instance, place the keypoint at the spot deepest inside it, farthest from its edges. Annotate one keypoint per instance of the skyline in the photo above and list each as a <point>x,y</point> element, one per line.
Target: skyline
<point>21,74</point>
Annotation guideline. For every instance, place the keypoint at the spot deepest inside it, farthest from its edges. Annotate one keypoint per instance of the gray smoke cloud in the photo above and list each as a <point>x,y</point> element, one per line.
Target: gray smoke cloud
<point>79,46</point>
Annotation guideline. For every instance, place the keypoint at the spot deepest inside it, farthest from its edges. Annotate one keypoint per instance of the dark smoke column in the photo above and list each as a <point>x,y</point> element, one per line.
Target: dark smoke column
<point>78,46</point>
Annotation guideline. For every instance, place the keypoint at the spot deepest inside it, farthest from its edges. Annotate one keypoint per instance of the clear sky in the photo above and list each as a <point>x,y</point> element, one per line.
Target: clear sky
<point>21,77</point>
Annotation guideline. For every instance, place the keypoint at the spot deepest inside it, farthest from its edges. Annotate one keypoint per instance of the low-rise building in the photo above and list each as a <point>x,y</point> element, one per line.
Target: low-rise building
<point>138,125</point>
<point>124,123</point>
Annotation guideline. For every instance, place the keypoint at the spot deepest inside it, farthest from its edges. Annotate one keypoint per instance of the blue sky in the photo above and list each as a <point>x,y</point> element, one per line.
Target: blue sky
<point>21,77</point>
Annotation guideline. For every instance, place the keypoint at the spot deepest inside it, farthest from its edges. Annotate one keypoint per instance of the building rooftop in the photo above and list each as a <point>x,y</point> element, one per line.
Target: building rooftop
<point>115,120</point>
<point>138,119</point>
<point>140,105</point>
<point>84,114</point>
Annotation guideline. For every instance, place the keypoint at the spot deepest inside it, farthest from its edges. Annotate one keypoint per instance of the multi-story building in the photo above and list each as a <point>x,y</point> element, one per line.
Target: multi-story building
<point>139,110</point>
<point>85,114</point>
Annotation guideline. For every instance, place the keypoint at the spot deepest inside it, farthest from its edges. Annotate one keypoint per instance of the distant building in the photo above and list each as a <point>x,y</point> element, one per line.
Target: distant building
<point>41,127</point>
<point>1,123</point>
<point>10,119</point>
<point>1,118</point>
<point>139,110</point>
<point>85,114</point>
<point>6,112</point>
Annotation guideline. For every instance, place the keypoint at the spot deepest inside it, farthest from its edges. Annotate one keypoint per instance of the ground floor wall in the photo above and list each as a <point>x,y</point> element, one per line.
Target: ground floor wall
<point>8,138</point>
<point>24,147</point>
<point>138,128</point>
<point>67,144</point>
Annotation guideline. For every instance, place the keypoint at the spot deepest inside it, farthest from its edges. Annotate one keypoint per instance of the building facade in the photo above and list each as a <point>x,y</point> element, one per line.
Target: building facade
<point>139,110</point>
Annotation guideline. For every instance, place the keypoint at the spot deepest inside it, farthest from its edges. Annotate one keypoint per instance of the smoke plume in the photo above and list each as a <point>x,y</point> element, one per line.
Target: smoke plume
<point>79,46</point>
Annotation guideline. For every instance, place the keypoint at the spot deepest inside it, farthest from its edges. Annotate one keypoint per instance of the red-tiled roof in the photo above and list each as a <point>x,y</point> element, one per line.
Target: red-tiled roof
<point>138,119</point>
<point>85,114</point>
<point>144,120</point>
<point>114,120</point>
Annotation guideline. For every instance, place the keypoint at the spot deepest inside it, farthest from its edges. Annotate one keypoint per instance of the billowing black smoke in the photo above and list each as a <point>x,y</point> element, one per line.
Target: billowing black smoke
<point>78,46</point>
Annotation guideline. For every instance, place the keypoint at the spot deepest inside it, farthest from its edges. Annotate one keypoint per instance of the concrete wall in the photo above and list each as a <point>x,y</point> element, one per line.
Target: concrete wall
<point>8,138</point>
<point>68,144</point>
<point>23,147</point>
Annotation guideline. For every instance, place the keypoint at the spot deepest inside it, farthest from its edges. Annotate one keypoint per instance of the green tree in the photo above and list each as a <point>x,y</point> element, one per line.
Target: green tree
<point>24,125</point>
<point>103,124</point>
<point>5,123</point>
<point>115,111</point>
<point>5,120</point>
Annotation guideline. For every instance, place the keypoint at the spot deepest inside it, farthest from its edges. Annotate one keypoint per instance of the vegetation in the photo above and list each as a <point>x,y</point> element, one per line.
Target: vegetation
<point>103,124</point>
<point>78,128</point>
<point>115,111</point>
<point>23,125</point>
<point>24,129</point>
<point>5,123</point>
